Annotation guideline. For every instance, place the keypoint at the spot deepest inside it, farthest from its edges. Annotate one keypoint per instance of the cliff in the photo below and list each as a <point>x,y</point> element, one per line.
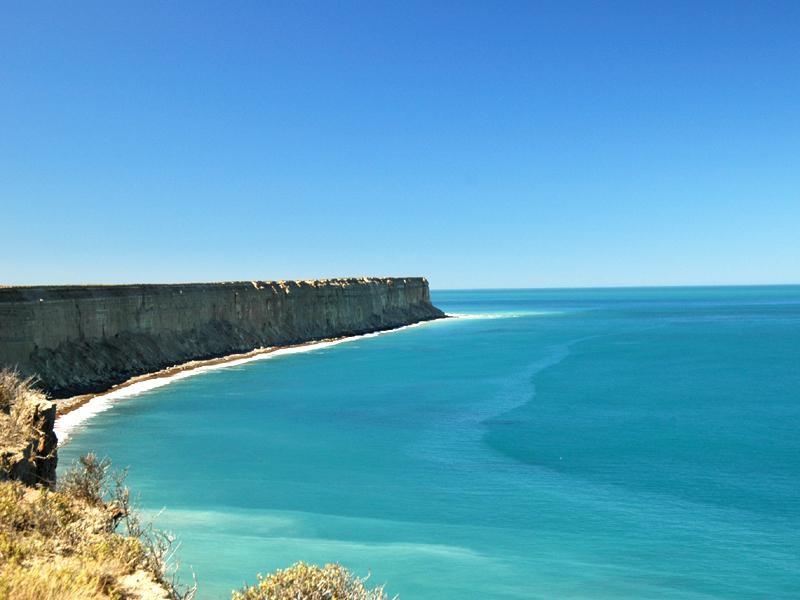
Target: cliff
<point>80,339</point>
<point>27,440</point>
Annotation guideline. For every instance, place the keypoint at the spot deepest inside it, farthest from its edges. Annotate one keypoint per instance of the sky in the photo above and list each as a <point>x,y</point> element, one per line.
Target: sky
<point>480,144</point>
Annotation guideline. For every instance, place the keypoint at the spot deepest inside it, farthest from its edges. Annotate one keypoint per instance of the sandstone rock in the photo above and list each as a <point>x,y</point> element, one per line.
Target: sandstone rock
<point>30,456</point>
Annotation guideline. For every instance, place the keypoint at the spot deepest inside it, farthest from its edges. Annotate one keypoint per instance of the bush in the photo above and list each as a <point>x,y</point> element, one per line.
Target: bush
<point>90,479</point>
<point>87,479</point>
<point>14,388</point>
<point>83,541</point>
<point>53,547</point>
<point>302,581</point>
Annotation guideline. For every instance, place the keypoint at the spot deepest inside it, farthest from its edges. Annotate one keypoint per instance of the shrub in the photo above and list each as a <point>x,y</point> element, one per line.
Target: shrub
<point>47,543</point>
<point>302,581</point>
<point>64,544</point>
<point>13,388</point>
<point>87,479</point>
<point>90,479</point>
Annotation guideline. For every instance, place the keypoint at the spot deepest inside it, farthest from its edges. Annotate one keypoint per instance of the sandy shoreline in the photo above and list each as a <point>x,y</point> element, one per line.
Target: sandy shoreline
<point>75,411</point>
<point>67,405</point>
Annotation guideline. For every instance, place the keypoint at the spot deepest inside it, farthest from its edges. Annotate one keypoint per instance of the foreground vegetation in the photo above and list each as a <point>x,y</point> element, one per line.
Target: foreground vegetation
<point>81,539</point>
<point>74,543</point>
<point>84,540</point>
<point>19,400</point>
<point>310,582</point>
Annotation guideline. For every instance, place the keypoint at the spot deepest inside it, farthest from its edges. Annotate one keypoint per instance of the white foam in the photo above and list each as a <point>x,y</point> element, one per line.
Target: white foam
<point>503,315</point>
<point>67,424</point>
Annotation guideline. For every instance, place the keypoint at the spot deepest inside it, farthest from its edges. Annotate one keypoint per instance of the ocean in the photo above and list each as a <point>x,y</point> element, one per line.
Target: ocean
<point>594,443</point>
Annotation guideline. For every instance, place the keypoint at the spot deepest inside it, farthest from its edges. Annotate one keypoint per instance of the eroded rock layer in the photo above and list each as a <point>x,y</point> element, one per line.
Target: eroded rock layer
<point>80,339</point>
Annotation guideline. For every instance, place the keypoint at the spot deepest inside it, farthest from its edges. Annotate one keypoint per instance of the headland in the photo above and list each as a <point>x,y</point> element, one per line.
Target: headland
<point>81,340</point>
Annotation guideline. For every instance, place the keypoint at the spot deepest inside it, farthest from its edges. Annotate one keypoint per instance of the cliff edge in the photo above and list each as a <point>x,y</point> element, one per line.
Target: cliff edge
<point>81,339</point>
<point>27,440</point>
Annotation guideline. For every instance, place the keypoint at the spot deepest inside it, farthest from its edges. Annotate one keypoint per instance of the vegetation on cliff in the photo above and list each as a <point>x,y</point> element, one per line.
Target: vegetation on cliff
<point>81,540</point>
<point>79,543</point>
<point>310,582</point>
<point>15,394</point>
<point>27,441</point>
<point>67,544</point>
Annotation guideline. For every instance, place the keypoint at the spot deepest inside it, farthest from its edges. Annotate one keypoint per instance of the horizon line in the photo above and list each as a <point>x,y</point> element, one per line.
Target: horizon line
<point>616,287</point>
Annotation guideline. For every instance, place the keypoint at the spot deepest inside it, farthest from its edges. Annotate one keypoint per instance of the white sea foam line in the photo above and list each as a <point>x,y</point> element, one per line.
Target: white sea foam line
<point>67,424</point>
<point>508,315</point>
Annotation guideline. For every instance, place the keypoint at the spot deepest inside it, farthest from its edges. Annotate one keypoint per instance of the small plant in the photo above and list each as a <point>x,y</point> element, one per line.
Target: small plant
<point>91,480</point>
<point>87,479</point>
<point>13,388</point>
<point>302,581</point>
<point>159,546</point>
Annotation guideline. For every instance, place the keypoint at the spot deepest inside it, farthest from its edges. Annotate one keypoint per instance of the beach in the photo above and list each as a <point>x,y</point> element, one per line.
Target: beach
<point>74,412</point>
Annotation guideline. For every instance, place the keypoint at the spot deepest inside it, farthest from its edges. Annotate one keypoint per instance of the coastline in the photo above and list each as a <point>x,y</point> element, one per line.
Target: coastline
<point>85,339</point>
<point>74,412</point>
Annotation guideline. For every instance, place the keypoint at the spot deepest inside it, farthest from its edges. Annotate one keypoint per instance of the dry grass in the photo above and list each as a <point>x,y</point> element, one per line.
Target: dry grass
<point>13,389</point>
<point>52,546</point>
<point>16,396</point>
<point>302,581</point>
<point>49,582</point>
<point>64,545</point>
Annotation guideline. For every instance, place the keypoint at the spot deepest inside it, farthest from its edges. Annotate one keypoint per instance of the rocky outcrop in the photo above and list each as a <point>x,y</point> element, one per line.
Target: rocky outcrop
<point>80,339</point>
<point>28,443</point>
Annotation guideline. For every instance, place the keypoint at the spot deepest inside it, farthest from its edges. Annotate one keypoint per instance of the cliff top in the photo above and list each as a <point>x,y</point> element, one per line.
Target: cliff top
<point>15,293</point>
<point>320,281</point>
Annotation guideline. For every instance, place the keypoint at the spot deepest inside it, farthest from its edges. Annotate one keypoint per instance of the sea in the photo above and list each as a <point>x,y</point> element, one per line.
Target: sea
<point>584,443</point>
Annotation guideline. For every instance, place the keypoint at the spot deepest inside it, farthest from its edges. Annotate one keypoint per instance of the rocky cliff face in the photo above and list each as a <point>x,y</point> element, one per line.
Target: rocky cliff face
<point>28,442</point>
<point>80,339</point>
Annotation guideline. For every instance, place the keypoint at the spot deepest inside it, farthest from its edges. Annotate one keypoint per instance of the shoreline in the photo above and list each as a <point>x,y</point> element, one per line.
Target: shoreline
<point>83,339</point>
<point>73,412</point>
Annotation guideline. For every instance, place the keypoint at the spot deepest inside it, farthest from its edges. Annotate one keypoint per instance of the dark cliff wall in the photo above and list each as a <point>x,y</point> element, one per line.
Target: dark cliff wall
<point>80,339</point>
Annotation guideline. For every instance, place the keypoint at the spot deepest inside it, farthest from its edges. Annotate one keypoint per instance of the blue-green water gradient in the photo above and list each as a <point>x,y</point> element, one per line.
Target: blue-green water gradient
<point>610,443</point>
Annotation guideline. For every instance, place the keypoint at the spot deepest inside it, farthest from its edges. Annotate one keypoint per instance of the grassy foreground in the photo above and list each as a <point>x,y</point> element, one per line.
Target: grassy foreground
<point>82,541</point>
<point>301,580</point>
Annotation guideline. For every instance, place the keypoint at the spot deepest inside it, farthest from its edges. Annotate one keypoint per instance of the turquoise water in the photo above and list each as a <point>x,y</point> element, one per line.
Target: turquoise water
<point>616,443</point>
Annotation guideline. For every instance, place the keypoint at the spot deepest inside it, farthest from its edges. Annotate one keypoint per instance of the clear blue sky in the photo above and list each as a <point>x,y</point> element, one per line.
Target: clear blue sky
<point>494,144</point>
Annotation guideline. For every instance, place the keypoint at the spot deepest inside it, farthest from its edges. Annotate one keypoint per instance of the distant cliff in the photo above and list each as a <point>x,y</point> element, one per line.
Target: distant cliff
<point>80,339</point>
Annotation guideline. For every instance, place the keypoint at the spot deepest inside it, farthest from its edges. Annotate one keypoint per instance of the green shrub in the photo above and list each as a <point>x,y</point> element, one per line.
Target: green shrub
<point>302,581</point>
